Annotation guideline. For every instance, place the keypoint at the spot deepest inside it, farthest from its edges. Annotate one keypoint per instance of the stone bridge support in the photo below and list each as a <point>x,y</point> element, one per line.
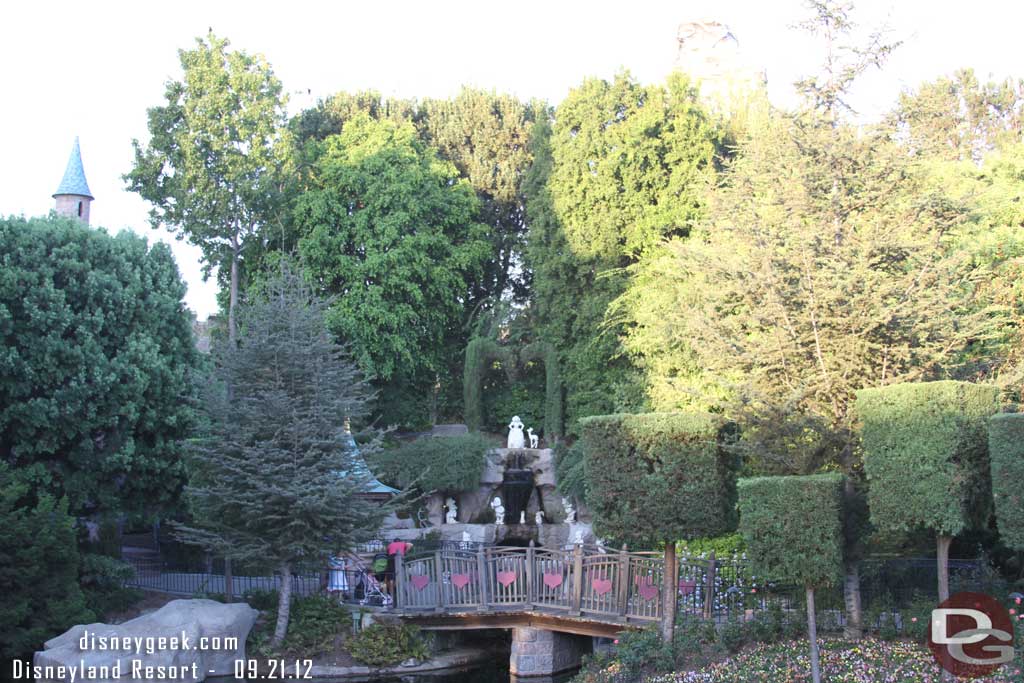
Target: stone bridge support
<point>536,652</point>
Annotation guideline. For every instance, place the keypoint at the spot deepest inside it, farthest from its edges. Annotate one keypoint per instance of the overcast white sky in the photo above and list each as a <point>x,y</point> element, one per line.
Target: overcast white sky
<point>92,69</point>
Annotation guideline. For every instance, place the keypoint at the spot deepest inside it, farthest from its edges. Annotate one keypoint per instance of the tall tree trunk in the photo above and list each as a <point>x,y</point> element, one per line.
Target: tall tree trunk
<point>233,295</point>
<point>284,605</point>
<point>854,629</point>
<point>812,634</point>
<point>942,558</point>
<point>670,592</point>
<point>229,579</point>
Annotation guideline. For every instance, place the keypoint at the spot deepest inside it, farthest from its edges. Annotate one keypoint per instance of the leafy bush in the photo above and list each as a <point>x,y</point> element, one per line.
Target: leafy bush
<point>445,463</point>
<point>733,634</point>
<point>1006,452</point>
<point>38,568</point>
<point>261,600</point>
<point>102,579</point>
<point>659,476</point>
<point>569,470</point>
<point>316,620</point>
<point>793,528</point>
<point>926,454</point>
<point>722,546</point>
<point>385,644</point>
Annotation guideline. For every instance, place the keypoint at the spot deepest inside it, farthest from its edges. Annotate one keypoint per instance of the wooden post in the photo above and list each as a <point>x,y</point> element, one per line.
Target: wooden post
<point>942,558</point>
<point>531,554</point>
<point>671,593</point>
<point>576,599</point>
<point>481,571</point>
<point>623,582</point>
<point>709,587</point>
<point>439,575</point>
<point>399,580</point>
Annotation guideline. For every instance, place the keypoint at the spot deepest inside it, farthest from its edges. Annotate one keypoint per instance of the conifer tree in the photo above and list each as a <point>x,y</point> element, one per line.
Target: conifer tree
<point>277,479</point>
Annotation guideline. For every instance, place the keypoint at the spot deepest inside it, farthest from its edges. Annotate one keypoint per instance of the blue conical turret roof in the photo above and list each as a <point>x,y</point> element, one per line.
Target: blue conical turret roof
<point>74,176</point>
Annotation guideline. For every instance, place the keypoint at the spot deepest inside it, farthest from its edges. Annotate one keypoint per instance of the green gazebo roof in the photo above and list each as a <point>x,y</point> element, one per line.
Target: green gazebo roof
<point>74,176</point>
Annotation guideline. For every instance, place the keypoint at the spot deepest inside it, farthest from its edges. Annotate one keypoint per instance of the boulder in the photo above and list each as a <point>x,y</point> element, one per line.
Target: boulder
<point>185,640</point>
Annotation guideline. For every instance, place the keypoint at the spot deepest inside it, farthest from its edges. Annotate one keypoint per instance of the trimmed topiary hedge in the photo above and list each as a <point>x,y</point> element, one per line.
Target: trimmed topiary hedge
<point>659,476</point>
<point>442,463</point>
<point>926,454</point>
<point>1006,452</point>
<point>793,527</point>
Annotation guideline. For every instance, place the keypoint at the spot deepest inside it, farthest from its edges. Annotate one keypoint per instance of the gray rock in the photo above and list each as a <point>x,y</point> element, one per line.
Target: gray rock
<point>200,638</point>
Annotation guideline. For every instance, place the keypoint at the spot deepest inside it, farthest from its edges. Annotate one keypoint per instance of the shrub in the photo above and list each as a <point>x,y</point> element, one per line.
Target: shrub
<point>38,568</point>
<point>261,600</point>
<point>926,454</point>
<point>385,644</point>
<point>1006,452</point>
<point>722,546</point>
<point>792,527</point>
<point>447,463</point>
<point>659,476</point>
<point>569,470</point>
<point>102,579</point>
<point>316,620</point>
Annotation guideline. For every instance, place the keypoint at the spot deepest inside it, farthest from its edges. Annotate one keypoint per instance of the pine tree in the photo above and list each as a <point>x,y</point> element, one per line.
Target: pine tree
<point>277,479</point>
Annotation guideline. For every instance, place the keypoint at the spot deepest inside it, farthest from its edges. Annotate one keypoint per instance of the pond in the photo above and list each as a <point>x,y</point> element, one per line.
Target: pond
<point>496,673</point>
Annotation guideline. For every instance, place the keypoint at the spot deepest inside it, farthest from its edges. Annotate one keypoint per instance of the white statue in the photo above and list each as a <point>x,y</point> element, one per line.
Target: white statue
<point>578,538</point>
<point>600,546</point>
<point>465,537</point>
<point>453,511</point>
<point>534,439</point>
<point>539,517</point>
<point>522,517</point>
<point>515,433</point>
<point>570,511</point>
<point>499,511</point>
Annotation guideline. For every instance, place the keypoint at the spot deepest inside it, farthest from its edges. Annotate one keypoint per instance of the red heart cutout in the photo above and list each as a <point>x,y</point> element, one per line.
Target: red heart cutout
<point>648,591</point>
<point>686,587</point>
<point>601,586</point>
<point>419,581</point>
<point>552,580</point>
<point>460,580</point>
<point>506,579</point>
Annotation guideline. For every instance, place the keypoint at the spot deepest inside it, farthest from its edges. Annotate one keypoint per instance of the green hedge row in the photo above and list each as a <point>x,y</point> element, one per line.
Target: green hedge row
<point>926,454</point>
<point>793,527</point>
<point>1006,452</point>
<point>659,476</point>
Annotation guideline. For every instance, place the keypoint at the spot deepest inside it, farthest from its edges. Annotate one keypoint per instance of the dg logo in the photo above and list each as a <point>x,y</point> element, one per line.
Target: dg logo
<point>971,635</point>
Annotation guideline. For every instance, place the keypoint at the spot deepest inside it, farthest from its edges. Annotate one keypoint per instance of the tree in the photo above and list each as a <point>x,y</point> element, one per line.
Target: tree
<point>277,480</point>
<point>793,529</point>
<point>96,360</point>
<point>392,231</point>
<point>926,458</point>
<point>213,165</point>
<point>615,173</point>
<point>38,567</point>
<point>828,262</point>
<point>486,136</point>
<point>1006,453</point>
<point>958,118</point>
<point>660,477</point>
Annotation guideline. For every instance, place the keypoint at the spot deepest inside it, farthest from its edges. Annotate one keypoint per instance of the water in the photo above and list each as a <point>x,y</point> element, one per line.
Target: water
<point>485,674</point>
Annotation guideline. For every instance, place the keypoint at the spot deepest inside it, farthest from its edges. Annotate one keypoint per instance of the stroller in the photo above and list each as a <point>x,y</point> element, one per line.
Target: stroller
<point>350,576</point>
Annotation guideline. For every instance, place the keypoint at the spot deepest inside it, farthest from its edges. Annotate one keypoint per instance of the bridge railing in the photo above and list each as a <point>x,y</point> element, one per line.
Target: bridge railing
<point>585,581</point>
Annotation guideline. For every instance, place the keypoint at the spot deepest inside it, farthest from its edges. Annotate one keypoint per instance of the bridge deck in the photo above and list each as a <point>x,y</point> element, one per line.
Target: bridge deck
<point>585,590</point>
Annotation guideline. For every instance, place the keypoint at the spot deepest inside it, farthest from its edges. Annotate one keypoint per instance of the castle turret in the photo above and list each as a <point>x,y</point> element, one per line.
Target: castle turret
<point>73,196</point>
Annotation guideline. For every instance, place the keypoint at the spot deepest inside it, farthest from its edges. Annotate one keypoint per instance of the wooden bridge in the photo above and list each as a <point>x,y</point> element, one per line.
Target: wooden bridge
<point>586,590</point>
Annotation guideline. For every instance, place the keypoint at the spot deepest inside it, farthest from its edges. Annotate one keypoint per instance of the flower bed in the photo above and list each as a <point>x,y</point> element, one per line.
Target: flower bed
<point>870,661</point>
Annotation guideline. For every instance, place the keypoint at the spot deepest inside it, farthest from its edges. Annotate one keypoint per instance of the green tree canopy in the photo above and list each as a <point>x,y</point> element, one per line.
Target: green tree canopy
<point>96,360</point>
<point>392,231</point>
<point>277,479</point>
<point>619,170</point>
<point>212,167</point>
